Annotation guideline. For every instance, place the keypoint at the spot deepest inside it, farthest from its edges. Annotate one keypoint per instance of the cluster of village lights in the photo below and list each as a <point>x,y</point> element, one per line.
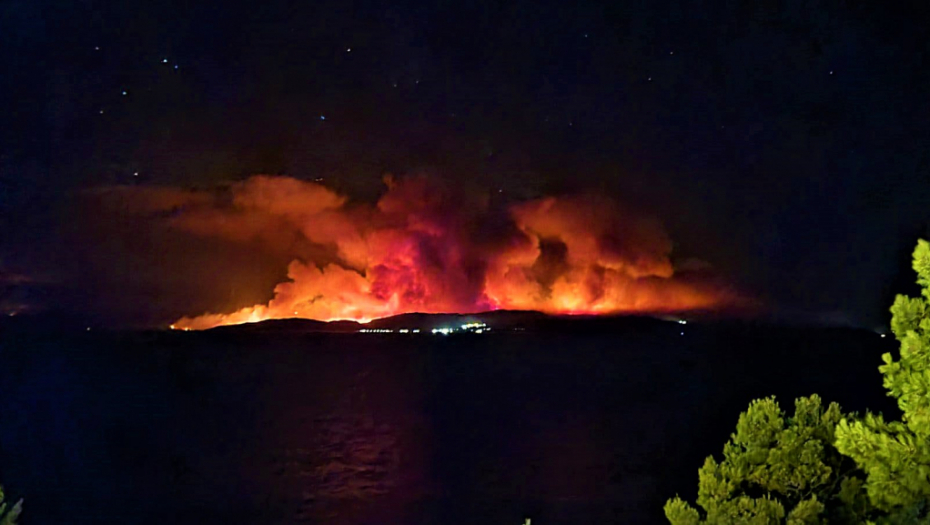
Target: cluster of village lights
<point>470,328</point>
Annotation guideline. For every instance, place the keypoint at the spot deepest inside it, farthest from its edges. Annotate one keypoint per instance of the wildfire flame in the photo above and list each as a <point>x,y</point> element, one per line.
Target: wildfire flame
<point>426,248</point>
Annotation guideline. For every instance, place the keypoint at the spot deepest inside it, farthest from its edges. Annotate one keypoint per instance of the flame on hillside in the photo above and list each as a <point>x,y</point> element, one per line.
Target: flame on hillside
<point>427,248</point>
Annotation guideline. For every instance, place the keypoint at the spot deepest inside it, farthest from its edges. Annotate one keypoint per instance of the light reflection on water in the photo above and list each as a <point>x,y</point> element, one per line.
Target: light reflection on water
<point>357,430</point>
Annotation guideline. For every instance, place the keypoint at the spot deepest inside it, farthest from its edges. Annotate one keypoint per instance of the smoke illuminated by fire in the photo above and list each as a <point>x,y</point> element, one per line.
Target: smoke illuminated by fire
<point>426,248</point>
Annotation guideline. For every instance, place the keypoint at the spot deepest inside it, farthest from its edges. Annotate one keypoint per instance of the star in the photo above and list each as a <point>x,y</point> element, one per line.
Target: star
<point>348,50</point>
<point>101,112</point>
<point>135,174</point>
<point>124,93</point>
<point>164,61</point>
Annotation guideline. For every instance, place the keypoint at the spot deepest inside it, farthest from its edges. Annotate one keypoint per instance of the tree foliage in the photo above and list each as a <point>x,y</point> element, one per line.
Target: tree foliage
<point>8,516</point>
<point>777,469</point>
<point>896,454</point>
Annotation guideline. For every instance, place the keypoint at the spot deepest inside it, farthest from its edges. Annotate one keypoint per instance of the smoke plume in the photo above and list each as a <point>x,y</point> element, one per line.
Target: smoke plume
<point>425,247</point>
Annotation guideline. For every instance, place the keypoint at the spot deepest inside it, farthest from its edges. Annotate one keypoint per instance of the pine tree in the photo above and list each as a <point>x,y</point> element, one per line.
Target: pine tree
<point>778,469</point>
<point>896,454</point>
<point>8,517</point>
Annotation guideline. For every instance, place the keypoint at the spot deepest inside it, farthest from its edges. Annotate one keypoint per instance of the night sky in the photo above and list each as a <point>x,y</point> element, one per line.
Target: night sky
<point>784,143</point>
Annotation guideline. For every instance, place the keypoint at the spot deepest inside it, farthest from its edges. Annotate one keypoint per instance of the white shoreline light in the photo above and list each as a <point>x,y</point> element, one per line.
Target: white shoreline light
<point>471,328</point>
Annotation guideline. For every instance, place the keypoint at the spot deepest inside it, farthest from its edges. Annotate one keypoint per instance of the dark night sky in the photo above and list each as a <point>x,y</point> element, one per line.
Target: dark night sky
<point>786,142</point>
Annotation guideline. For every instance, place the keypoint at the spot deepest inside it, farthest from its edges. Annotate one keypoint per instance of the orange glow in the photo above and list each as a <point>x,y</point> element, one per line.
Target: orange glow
<point>424,248</point>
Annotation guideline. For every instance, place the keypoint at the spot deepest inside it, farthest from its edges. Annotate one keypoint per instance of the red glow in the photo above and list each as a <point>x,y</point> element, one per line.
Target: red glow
<point>427,249</point>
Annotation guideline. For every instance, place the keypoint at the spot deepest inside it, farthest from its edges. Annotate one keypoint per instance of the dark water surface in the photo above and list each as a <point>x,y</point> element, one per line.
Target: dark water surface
<point>579,427</point>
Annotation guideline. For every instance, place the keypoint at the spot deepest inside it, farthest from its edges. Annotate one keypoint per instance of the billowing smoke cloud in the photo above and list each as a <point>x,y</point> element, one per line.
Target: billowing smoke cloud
<point>424,247</point>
